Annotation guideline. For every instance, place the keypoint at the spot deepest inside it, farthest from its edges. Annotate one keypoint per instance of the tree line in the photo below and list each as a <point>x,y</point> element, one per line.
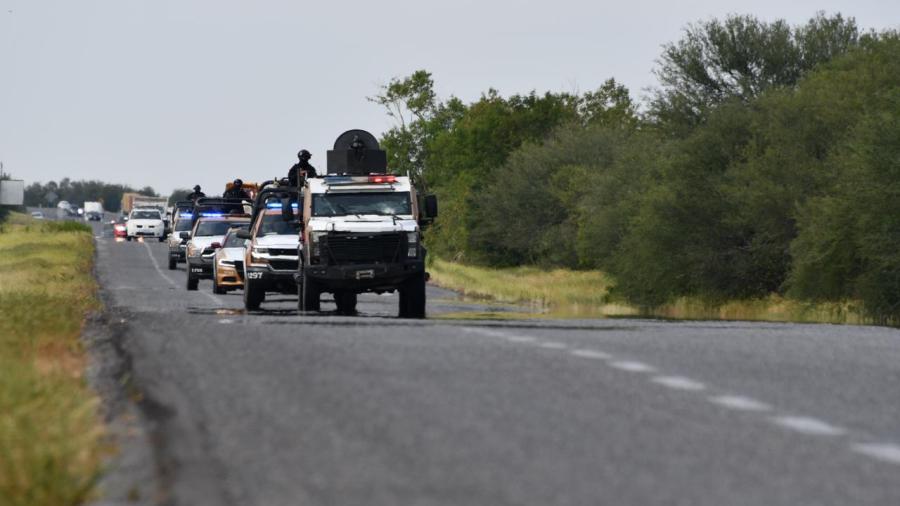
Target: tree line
<point>77,192</point>
<point>766,161</point>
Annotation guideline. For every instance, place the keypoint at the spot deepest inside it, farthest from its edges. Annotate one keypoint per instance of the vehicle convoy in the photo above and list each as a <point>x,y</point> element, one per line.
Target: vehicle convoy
<point>93,211</point>
<point>362,230</point>
<point>212,219</point>
<point>145,222</point>
<point>228,261</point>
<point>271,258</point>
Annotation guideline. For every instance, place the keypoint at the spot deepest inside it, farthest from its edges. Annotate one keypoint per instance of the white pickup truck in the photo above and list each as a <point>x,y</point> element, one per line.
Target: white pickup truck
<point>145,222</point>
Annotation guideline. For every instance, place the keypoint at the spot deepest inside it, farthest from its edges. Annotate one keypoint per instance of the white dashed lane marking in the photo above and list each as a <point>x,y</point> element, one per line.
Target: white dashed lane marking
<point>597,355</point>
<point>632,366</point>
<point>740,403</point>
<point>810,426</point>
<point>552,345</point>
<point>889,453</point>
<point>520,339</point>
<point>679,383</point>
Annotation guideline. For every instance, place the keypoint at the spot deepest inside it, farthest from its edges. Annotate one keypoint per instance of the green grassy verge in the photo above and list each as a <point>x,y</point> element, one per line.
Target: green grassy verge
<point>563,293</point>
<point>50,430</point>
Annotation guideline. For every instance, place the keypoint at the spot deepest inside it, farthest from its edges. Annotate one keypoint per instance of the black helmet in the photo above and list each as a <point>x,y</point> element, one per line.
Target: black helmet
<point>196,188</point>
<point>238,183</point>
<point>304,155</point>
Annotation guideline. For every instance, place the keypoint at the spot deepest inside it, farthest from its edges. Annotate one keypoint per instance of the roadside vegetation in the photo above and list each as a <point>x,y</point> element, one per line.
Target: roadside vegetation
<point>50,430</point>
<point>761,172</point>
<point>566,293</point>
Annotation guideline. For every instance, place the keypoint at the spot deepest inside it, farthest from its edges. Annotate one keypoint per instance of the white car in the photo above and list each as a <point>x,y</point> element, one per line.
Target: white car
<point>145,222</point>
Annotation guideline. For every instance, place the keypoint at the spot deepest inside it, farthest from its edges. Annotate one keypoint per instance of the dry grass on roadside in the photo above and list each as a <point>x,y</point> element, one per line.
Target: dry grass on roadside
<point>566,293</point>
<point>50,446</point>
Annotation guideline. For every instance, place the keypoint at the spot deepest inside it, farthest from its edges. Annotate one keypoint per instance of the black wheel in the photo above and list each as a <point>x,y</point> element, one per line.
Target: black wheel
<point>172,262</point>
<point>346,302</point>
<point>254,295</point>
<point>309,295</point>
<point>128,238</point>
<point>218,290</point>
<point>412,297</point>
<point>192,281</point>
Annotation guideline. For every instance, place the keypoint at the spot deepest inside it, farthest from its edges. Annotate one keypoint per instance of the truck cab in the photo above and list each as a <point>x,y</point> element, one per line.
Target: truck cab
<point>362,231</point>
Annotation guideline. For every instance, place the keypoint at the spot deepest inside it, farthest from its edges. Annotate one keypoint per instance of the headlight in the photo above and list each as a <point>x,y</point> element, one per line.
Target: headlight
<point>255,253</point>
<point>412,243</point>
<point>192,251</point>
<point>226,263</point>
<point>315,239</point>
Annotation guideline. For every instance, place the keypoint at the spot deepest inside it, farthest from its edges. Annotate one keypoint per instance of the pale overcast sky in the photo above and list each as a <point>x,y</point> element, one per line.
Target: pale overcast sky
<point>171,93</point>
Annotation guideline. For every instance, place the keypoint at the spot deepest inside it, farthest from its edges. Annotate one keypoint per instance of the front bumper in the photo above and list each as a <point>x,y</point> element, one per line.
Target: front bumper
<point>280,280</point>
<point>227,276</point>
<point>364,277</point>
<point>178,253</point>
<point>201,267</point>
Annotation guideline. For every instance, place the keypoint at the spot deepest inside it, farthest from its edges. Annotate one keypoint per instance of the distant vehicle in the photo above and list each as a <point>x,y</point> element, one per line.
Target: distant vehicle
<point>228,261</point>
<point>120,229</point>
<point>208,229</point>
<point>37,215</point>
<point>93,211</point>
<point>145,222</point>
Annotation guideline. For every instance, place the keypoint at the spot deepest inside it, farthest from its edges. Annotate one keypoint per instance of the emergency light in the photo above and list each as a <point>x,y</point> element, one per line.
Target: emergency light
<point>277,205</point>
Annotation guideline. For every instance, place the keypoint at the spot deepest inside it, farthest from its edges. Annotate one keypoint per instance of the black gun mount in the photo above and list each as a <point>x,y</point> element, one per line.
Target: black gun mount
<point>356,152</point>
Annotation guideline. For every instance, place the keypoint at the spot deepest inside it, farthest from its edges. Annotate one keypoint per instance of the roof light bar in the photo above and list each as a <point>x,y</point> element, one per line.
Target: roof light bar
<point>277,205</point>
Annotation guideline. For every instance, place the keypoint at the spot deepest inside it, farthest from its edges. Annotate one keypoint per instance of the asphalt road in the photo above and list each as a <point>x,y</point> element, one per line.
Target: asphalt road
<point>281,408</point>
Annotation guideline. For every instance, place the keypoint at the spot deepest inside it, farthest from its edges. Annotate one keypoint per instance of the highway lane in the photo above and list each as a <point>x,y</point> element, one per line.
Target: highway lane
<point>277,407</point>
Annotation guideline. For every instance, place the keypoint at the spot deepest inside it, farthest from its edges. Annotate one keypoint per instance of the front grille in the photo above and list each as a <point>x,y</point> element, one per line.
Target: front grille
<point>282,252</point>
<point>284,265</point>
<point>355,248</point>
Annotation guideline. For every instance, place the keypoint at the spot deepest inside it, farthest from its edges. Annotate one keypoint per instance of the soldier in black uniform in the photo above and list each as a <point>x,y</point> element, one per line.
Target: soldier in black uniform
<point>237,191</point>
<point>197,194</point>
<point>301,166</point>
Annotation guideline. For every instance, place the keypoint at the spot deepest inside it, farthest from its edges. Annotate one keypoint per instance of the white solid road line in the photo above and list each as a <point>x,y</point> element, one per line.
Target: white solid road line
<point>679,383</point>
<point>740,403</point>
<point>171,282</point>
<point>595,354</point>
<point>884,452</point>
<point>632,366</point>
<point>810,426</point>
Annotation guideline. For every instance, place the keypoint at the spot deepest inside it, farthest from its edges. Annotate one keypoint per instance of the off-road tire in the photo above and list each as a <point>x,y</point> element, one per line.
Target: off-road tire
<point>412,297</point>
<point>346,302</point>
<point>172,263</point>
<point>309,295</point>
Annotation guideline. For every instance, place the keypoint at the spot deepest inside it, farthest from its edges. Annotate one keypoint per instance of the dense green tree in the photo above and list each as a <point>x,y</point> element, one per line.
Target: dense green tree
<point>740,58</point>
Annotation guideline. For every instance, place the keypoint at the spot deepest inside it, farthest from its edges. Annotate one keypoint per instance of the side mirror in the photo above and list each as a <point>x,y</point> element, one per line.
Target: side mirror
<point>243,234</point>
<point>287,212</point>
<point>431,207</point>
<point>185,236</point>
<point>215,245</point>
<point>125,218</point>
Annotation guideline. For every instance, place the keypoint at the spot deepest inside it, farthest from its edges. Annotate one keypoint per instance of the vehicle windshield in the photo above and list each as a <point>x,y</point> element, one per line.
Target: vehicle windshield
<point>211,228</point>
<point>183,225</point>
<point>233,241</point>
<point>145,215</point>
<point>342,204</point>
<point>274,224</point>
